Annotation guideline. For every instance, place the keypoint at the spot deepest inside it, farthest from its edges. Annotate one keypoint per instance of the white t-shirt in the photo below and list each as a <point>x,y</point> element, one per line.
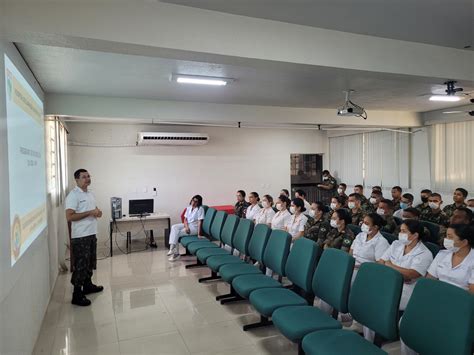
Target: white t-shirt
<point>418,259</point>
<point>264,216</point>
<point>193,215</point>
<point>296,224</point>
<point>280,219</point>
<point>307,205</point>
<point>252,211</point>
<point>366,251</point>
<point>462,275</point>
<point>80,201</point>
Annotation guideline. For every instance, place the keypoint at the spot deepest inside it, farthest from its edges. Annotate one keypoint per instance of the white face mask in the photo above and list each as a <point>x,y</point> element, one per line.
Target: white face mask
<point>433,205</point>
<point>449,245</point>
<point>380,211</point>
<point>365,228</point>
<point>333,206</point>
<point>292,209</point>
<point>312,213</point>
<point>325,177</point>
<point>333,223</point>
<point>351,205</point>
<point>403,238</point>
<point>373,200</point>
<point>339,191</point>
<point>278,206</point>
<point>265,204</point>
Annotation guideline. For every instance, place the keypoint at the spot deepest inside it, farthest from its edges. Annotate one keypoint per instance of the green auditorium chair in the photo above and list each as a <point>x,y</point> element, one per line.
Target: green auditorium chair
<point>206,228</point>
<point>389,236</point>
<point>373,302</point>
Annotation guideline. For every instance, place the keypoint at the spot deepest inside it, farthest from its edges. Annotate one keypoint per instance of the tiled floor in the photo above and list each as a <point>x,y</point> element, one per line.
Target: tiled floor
<point>151,306</point>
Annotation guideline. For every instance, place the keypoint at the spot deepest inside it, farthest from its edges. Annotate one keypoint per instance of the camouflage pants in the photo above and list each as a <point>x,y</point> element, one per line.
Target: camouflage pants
<point>84,254</point>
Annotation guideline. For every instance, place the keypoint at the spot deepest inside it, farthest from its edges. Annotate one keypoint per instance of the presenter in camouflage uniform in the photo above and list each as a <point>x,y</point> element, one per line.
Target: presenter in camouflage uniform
<point>327,187</point>
<point>82,212</point>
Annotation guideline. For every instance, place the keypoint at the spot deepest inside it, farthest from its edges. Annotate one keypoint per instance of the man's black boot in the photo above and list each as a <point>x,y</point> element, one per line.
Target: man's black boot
<point>79,299</point>
<point>89,288</point>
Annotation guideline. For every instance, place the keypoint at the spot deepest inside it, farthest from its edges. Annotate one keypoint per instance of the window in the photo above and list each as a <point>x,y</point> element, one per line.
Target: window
<point>346,158</point>
<point>452,156</point>
<point>56,159</point>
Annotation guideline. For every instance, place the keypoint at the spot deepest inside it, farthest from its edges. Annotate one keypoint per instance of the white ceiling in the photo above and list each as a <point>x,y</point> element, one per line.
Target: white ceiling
<point>83,72</point>
<point>448,23</point>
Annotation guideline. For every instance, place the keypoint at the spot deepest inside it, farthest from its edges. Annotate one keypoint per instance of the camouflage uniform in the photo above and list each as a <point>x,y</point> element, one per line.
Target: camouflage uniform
<point>391,224</point>
<point>339,240</point>
<point>438,218</point>
<point>368,208</point>
<point>84,256</point>
<point>424,210</point>
<point>449,209</point>
<point>317,230</point>
<point>396,205</point>
<point>345,197</point>
<point>326,195</point>
<point>241,208</point>
<point>357,217</point>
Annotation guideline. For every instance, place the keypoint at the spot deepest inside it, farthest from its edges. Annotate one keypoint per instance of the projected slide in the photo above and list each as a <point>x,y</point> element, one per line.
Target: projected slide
<point>26,162</point>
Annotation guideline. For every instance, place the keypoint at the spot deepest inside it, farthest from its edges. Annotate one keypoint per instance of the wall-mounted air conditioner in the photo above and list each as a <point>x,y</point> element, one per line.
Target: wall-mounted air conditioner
<point>162,138</point>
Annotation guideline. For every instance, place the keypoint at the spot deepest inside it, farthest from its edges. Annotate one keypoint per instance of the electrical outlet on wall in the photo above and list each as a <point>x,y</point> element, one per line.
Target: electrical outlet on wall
<point>155,192</point>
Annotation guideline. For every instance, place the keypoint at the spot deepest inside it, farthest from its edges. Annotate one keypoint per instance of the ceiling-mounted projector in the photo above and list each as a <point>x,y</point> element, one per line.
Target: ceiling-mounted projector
<point>350,108</point>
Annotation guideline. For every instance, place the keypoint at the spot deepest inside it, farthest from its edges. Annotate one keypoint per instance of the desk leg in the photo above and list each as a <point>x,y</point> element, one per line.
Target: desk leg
<point>167,240</point>
<point>111,226</point>
<point>129,242</point>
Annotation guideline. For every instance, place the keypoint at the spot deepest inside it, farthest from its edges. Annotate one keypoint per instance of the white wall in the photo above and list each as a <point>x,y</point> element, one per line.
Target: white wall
<point>24,289</point>
<point>252,160</point>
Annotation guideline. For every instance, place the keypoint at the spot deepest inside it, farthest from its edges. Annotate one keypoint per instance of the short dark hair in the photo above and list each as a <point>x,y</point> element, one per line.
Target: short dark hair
<point>376,187</point>
<point>408,196</point>
<point>471,199</point>
<point>77,173</point>
<point>320,206</point>
<point>398,188</point>
<point>286,191</point>
<point>435,194</point>
<point>255,195</point>
<point>389,203</point>
<point>242,192</point>
<point>300,192</point>
<point>415,226</point>
<point>463,191</point>
<point>467,211</point>
<point>343,214</point>
<point>299,203</point>
<point>340,199</point>
<point>198,198</point>
<point>464,231</point>
<point>326,172</point>
<point>413,211</point>
<point>377,220</point>
<point>359,187</point>
<point>426,191</point>
<point>377,192</point>
<point>343,185</point>
<point>357,196</point>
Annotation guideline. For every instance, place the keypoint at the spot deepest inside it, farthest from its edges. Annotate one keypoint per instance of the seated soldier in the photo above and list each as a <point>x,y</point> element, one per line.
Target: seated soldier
<point>341,191</point>
<point>459,197</point>
<point>436,215</point>
<point>375,198</point>
<point>424,207</point>
<point>340,236</point>
<point>317,227</point>
<point>355,209</point>
<point>396,197</point>
<point>336,203</point>
<point>359,189</point>
<point>405,202</point>
<point>385,210</point>
<point>461,215</point>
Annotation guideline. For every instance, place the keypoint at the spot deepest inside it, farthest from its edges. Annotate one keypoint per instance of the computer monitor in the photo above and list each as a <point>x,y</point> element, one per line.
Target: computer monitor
<point>140,207</point>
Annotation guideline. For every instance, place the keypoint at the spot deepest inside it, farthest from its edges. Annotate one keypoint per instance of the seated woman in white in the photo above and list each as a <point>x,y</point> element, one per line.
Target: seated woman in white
<point>409,256</point>
<point>265,215</point>
<point>281,218</point>
<point>193,218</point>
<point>455,265</point>
<point>295,225</point>
<point>253,208</point>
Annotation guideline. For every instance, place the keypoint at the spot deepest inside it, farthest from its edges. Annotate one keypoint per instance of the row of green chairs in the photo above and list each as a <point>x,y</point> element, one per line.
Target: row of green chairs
<point>373,299</point>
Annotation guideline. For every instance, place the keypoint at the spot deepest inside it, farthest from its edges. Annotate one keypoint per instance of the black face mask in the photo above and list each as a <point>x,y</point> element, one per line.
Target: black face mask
<point>424,199</point>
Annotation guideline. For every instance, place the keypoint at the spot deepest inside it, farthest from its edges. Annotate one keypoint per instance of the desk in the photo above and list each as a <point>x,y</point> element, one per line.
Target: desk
<point>127,224</point>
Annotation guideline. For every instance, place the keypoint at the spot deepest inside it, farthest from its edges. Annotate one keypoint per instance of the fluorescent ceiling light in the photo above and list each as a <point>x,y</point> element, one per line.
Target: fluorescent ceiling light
<point>200,80</point>
<point>448,98</point>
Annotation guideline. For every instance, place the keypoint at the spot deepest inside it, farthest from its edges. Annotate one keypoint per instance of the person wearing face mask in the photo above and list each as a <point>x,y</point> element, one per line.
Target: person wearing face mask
<point>409,256</point>
<point>266,213</point>
<point>253,208</point>
<point>355,209</point>
<point>302,195</point>
<point>336,203</point>
<point>424,207</point>
<point>377,188</point>
<point>436,215</point>
<point>241,205</point>
<point>385,210</point>
<point>359,189</point>
<point>413,213</point>
<point>461,215</point>
<point>317,227</point>
<point>281,218</point>
<point>396,197</point>
<point>295,225</point>
<point>459,198</point>
<point>405,202</point>
<point>340,236</point>
<point>193,218</point>
<point>341,192</point>
<point>327,186</point>
<point>375,198</point>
